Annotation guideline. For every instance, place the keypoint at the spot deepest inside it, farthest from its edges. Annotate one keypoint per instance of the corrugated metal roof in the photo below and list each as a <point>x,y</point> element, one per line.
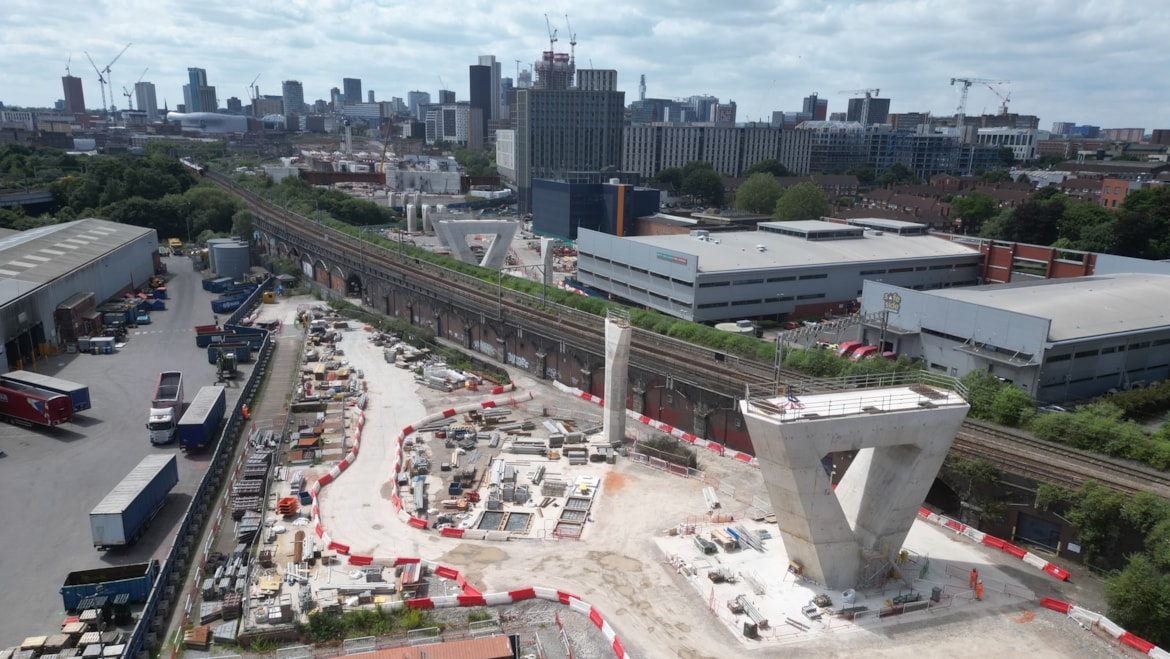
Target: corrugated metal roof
<point>738,250</point>
<point>1079,307</point>
<point>32,258</point>
<point>124,492</point>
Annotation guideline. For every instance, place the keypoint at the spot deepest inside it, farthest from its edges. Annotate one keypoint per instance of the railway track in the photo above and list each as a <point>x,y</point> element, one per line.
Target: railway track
<point>685,362</point>
<point>1055,463</point>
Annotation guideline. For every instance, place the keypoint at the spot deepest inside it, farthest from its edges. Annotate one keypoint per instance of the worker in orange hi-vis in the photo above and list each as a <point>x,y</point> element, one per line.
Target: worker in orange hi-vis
<point>979,590</point>
<point>974,577</point>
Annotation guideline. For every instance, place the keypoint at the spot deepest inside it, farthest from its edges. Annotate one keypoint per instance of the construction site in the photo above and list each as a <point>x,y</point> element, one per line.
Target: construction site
<point>399,483</point>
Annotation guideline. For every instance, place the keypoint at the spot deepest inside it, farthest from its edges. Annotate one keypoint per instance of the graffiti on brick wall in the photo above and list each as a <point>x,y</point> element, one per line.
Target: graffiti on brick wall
<point>486,348</point>
<point>518,360</point>
<point>552,373</point>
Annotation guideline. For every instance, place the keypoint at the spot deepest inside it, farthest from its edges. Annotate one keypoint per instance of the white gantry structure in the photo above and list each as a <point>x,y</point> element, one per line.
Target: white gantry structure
<point>617,376</point>
<point>848,537</point>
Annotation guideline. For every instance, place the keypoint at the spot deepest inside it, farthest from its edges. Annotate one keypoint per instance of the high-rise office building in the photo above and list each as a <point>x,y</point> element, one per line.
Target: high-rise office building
<point>480,92</point>
<point>597,80</point>
<point>352,89</point>
<point>74,95</point>
<point>336,99</point>
<point>293,94</point>
<point>561,131</point>
<point>446,96</point>
<point>493,110</point>
<point>196,80</point>
<point>877,108</point>
<point>144,95</point>
<point>415,101</point>
<point>370,96</point>
<point>208,102</point>
<point>815,107</point>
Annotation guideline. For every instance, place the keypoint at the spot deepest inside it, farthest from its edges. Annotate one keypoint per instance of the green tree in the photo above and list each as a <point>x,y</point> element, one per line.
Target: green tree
<point>769,166</point>
<point>972,210</point>
<point>242,224</point>
<point>758,194</point>
<point>670,178</point>
<point>897,174</point>
<point>976,476</point>
<point>996,176</point>
<point>1048,495</point>
<point>1012,406</point>
<point>1145,511</point>
<point>803,201</point>
<point>1086,226</point>
<point>704,186</point>
<point>1139,600</point>
<point>981,391</point>
<point>1095,513</point>
<point>865,175</point>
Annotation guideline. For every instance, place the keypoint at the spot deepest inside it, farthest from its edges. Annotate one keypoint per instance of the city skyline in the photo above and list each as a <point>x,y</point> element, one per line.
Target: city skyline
<point>1082,62</point>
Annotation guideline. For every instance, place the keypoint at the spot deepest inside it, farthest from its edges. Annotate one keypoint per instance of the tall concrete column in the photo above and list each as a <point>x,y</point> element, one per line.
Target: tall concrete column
<point>586,379</point>
<point>848,537</point>
<point>617,366</point>
<point>542,364</point>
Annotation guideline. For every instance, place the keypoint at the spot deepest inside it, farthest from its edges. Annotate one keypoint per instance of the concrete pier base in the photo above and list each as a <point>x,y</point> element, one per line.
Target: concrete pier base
<point>848,537</point>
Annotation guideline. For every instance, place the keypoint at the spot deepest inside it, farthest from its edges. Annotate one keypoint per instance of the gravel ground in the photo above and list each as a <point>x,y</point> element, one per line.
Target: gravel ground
<point>617,567</point>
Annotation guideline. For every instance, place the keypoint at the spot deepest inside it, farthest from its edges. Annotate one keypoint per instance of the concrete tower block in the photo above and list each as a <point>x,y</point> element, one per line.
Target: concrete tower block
<point>426,218</point>
<point>849,537</point>
<point>617,366</point>
<point>546,257</point>
<point>410,208</point>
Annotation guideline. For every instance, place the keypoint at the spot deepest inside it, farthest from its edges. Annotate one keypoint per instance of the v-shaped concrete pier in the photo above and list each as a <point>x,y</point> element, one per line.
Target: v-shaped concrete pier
<point>848,537</point>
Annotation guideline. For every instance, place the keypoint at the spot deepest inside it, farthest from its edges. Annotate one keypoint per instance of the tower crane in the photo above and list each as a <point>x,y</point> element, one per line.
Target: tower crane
<point>254,94</point>
<point>109,81</point>
<point>961,111</point>
<point>1004,99</point>
<point>101,79</point>
<point>129,98</point>
<point>67,63</point>
<point>869,93</point>
<point>552,33</point>
<point>572,41</point>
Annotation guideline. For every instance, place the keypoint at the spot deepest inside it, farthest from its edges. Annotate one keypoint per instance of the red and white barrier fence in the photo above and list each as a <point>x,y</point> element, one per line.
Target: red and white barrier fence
<point>1093,621</point>
<point>990,541</point>
<point>687,437</point>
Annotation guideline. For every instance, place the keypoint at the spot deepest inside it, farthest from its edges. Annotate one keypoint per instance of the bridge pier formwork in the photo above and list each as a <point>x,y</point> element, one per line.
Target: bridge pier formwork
<point>848,537</point>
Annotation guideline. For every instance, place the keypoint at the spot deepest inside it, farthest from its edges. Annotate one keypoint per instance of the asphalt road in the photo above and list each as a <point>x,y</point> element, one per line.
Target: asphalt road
<point>51,479</point>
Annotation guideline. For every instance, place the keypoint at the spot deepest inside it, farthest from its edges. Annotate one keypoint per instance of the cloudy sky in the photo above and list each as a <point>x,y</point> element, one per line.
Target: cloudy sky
<point>1102,62</point>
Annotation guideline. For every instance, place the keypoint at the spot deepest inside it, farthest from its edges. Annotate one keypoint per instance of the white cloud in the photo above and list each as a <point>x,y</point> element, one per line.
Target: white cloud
<point>1068,60</point>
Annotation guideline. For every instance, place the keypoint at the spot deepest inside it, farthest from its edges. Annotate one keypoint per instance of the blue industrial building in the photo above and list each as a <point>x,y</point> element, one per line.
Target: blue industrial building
<point>560,208</point>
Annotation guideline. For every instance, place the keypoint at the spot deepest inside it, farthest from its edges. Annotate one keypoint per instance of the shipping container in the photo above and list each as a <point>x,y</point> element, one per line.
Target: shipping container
<point>122,516</point>
<point>134,580</point>
<point>216,285</point>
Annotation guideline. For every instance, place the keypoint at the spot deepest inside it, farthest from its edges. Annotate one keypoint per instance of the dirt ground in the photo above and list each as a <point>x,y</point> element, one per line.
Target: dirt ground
<point>617,566</point>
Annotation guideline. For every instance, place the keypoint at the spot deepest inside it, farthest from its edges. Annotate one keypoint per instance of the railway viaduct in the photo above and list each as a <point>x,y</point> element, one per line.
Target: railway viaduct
<point>686,386</point>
